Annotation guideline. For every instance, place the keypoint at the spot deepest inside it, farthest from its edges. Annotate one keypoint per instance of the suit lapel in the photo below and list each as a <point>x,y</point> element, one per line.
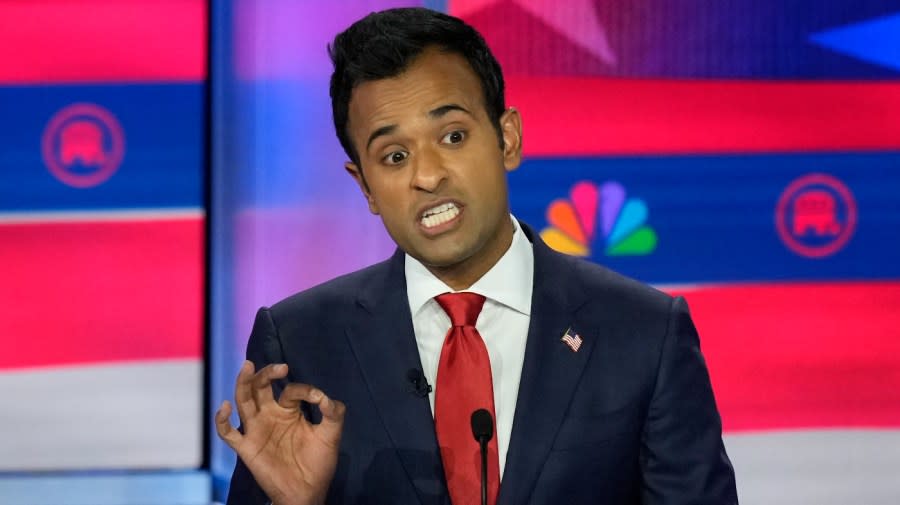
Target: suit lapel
<point>384,345</point>
<point>550,372</point>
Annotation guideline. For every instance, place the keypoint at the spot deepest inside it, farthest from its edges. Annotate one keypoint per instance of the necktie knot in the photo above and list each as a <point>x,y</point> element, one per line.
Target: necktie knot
<point>463,308</point>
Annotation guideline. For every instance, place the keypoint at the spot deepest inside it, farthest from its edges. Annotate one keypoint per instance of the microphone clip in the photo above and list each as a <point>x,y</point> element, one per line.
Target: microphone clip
<point>420,385</point>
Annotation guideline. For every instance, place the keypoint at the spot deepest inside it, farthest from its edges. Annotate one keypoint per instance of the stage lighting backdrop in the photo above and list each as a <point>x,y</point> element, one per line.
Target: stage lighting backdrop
<point>101,236</point>
<point>744,154</point>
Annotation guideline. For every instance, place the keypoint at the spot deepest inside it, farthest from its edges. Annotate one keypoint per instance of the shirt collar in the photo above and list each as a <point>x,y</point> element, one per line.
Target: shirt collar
<point>508,282</point>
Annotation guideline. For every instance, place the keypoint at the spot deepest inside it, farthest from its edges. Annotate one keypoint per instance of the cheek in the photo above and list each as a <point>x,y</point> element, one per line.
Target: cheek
<point>493,187</point>
<point>390,200</point>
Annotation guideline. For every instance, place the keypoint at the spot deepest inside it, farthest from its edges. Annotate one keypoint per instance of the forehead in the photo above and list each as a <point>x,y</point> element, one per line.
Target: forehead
<point>433,79</point>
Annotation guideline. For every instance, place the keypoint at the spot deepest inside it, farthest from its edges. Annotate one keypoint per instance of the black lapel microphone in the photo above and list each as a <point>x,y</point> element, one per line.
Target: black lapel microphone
<point>483,431</point>
<point>419,382</point>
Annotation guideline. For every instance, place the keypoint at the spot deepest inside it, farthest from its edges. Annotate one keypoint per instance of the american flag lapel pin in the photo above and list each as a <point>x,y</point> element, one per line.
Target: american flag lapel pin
<point>572,339</point>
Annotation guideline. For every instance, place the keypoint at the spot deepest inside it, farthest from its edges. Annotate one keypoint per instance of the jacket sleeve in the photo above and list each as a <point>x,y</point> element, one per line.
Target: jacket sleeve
<point>263,348</point>
<point>683,459</point>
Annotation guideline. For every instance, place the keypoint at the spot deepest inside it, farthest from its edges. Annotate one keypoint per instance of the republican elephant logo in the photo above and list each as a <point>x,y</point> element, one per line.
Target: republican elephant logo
<point>83,145</point>
<point>816,215</point>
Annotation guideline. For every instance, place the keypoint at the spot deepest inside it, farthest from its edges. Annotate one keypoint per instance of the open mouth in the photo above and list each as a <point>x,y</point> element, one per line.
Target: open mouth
<point>439,215</point>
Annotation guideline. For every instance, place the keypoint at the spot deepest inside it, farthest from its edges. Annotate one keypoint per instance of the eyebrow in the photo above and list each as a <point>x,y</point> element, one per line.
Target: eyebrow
<point>436,113</point>
<point>443,110</point>
<point>384,130</point>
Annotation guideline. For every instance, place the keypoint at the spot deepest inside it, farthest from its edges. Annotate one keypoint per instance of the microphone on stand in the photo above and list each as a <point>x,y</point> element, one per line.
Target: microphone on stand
<point>483,431</point>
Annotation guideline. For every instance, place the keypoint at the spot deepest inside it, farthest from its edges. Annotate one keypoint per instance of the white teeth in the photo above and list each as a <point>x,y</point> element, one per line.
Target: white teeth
<point>438,209</point>
<point>439,215</point>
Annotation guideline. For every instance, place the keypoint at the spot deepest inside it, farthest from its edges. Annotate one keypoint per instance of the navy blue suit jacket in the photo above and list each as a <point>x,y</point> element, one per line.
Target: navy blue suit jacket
<point>628,419</point>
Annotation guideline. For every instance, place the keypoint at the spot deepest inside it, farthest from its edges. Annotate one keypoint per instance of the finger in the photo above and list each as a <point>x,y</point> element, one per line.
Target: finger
<point>262,382</point>
<point>333,412</point>
<point>294,393</point>
<point>243,392</point>
<point>224,429</point>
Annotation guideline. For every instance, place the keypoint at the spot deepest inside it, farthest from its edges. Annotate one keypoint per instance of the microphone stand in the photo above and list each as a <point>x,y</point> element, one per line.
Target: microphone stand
<point>484,465</point>
<point>483,431</point>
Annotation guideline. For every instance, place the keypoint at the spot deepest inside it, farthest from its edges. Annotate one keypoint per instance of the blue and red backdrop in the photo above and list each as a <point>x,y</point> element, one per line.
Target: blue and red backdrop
<point>745,154</point>
<point>102,247</point>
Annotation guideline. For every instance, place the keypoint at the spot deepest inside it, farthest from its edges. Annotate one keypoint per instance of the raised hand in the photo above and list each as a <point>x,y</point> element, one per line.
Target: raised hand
<point>291,459</point>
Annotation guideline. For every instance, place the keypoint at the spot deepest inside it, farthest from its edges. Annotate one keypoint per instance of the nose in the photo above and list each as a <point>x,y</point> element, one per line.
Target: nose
<point>429,171</point>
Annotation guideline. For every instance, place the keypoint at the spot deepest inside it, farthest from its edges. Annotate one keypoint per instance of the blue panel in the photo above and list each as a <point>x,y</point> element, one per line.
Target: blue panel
<point>165,488</point>
<point>715,217</point>
<point>162,130</point>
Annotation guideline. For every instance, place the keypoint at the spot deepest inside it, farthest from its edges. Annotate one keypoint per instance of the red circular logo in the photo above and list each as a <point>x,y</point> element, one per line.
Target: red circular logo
<point>83,145</point>
<point>816,215</point>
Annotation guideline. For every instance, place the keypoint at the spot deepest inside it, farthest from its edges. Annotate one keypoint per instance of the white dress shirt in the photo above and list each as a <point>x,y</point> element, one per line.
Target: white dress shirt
<point>503,324</point>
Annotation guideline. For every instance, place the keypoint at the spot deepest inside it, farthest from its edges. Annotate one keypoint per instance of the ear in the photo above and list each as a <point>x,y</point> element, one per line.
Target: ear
<point>511,129</point>
<point>356,172</point>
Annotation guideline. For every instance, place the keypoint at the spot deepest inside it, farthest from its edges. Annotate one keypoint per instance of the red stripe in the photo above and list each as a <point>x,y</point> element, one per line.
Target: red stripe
<point>802,356</point>
<point>584,116</point>
<point>102,40</point>
<point>97,292</point>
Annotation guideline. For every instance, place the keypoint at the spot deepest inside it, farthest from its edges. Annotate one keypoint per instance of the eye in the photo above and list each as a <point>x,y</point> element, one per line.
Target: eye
<point>454,137</point>
<point>395,158</point>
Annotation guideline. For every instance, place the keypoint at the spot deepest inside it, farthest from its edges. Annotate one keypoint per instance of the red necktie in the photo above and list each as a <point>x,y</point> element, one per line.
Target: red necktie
<point>464,385</point>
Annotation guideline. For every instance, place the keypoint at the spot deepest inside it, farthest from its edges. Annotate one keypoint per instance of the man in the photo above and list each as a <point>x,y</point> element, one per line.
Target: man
<point>595,383</point>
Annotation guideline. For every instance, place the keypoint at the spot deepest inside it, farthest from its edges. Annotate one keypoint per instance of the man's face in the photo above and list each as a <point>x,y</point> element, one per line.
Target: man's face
<point>432,166</point>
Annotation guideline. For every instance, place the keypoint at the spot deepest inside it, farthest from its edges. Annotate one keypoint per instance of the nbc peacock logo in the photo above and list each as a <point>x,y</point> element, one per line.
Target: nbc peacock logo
<point>601,216</point>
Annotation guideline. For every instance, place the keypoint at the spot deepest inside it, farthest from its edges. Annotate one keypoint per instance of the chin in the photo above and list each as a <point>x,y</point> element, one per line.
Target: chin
<point>439,261</point>
<point>442,259</point>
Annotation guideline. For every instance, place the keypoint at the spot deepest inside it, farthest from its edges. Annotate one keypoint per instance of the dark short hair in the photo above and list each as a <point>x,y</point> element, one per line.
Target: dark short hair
<point>384,44</point>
